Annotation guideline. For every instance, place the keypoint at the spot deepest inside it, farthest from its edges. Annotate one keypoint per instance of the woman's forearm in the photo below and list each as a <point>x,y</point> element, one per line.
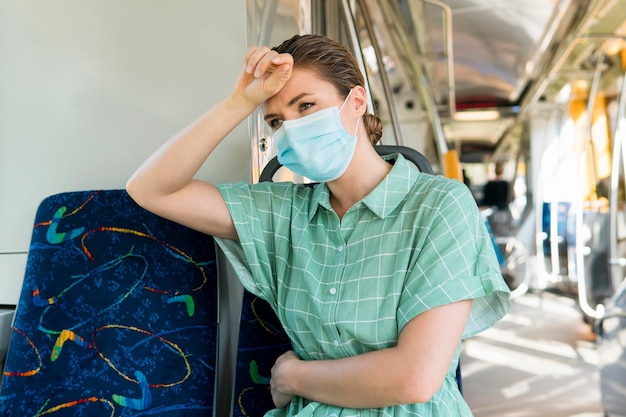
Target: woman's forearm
<point>411,372</point>
<point>165,183</point>
<point>173,166</point>
<point>371,380</point>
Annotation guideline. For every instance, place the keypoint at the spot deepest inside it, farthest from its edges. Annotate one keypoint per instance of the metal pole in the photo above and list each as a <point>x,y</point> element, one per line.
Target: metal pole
<point>393,112</point>
<point>447,29</point>
<point>583,300</point>
<point>616,263</point>
<point>420,79</point>
<point>358,52</point>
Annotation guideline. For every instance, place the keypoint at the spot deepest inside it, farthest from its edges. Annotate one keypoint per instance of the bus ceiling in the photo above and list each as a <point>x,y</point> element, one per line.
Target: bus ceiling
<point>470,70</point>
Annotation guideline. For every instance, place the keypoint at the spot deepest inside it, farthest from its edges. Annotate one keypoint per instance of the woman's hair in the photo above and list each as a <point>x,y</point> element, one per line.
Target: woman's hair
<point>334,63</point>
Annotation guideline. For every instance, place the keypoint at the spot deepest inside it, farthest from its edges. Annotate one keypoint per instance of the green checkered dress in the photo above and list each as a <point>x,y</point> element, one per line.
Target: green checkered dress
<point>342,288</point>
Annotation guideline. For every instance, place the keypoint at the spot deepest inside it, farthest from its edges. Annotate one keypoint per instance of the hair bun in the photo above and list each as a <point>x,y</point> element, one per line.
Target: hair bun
<point>374,127</point>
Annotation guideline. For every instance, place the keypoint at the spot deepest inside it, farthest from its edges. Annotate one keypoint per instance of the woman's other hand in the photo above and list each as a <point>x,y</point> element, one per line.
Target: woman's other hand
<point>279,384</point>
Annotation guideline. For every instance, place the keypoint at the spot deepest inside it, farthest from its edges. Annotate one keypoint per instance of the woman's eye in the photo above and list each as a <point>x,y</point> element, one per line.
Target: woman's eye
<point>275,123</point>
<point>305,106</point>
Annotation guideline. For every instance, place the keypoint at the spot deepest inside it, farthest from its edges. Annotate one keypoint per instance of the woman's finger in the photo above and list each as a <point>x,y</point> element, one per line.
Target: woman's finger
<point>259,60</point>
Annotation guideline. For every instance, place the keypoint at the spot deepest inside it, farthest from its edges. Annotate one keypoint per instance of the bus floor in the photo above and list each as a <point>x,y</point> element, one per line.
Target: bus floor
<point>539,360</point>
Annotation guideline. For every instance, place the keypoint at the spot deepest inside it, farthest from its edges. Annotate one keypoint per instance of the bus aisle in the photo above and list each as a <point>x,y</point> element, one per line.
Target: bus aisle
<point>540,360</point>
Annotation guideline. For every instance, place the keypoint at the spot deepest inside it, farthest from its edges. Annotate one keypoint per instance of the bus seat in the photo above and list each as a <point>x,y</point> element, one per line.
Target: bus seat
<point>261,336</point>
<point>250,339</point>
<point>410,154</point>
<point>117,314</point>
<point>261,340</point>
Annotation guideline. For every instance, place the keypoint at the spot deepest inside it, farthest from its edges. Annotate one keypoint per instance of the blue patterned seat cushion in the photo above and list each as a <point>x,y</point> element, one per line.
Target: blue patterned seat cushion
<point>261,340</point>
<point>117,315</point>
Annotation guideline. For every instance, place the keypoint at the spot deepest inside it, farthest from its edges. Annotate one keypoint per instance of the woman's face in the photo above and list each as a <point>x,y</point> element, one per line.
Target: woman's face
<point>303,94</point>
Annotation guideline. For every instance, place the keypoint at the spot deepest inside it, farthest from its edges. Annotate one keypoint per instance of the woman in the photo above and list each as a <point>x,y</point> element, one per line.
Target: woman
<point>377,273</point>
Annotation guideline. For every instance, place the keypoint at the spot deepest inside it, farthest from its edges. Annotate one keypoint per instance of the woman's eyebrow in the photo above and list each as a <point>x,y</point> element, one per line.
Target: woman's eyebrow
<point>291,103</point>
<point>296,98</point>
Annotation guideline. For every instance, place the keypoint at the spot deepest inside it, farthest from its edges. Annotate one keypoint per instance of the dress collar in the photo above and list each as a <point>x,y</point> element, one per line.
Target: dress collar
<point>383,199</point>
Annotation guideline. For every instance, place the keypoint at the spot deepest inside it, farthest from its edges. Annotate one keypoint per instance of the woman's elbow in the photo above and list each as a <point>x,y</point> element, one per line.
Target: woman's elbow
<point>419,388</point>
<point>132,189</point>
<point>137,192</point>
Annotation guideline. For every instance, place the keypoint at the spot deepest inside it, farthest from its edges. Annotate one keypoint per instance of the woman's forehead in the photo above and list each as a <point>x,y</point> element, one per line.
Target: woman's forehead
<point>303,83</point>
<point>305,79</point>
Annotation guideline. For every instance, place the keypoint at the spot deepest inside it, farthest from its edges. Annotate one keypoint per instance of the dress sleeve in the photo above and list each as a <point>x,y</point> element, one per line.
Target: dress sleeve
<point>456,262</point>
<point>261,214</point>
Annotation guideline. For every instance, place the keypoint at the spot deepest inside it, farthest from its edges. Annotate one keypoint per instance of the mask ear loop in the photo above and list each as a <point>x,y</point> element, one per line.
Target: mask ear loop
<point>346,100</point>
<point>356,128</point>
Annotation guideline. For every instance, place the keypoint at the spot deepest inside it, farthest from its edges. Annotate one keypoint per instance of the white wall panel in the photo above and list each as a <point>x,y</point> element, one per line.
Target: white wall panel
<point>89,89</point>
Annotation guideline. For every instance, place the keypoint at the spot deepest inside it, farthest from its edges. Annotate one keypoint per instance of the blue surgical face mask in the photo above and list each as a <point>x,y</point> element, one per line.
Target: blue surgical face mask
<point>316,146</point>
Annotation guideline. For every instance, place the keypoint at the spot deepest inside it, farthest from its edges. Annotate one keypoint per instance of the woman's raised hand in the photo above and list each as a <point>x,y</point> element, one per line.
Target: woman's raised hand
<point>265,73</point>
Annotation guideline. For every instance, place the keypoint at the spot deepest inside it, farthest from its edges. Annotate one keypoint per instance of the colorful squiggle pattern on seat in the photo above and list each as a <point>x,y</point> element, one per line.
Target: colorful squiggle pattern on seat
<point>117,316</point>
<point>261,340</point>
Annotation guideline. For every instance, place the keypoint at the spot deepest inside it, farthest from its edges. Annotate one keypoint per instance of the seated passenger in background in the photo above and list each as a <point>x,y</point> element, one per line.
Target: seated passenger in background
<point>377,273</point>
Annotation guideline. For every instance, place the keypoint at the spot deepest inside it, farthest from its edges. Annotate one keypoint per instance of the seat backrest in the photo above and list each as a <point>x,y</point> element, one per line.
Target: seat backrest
<point>261,340</point>
<point>117,315</point>
<point>410,154</point>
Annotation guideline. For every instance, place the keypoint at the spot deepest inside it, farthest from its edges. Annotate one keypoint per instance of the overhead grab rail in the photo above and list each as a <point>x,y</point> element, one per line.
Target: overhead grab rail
<point>562,53</point>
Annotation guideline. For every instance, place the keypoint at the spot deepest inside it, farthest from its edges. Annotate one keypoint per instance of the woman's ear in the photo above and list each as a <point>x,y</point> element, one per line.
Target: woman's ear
<point>360,100</point>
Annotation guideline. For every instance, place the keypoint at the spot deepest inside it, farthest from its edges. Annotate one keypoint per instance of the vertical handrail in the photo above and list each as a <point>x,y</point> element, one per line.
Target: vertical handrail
<point>267,22</point>
<point>619,152</point>
<point>420,79</point>
<point>549,262</point>
<point>583,300</point>
<point>449,52</point>
<point>395,121</point>
<point>358,51</point>
<point>259,156</point>
<point>540,235</point>
<point>555,254</point>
